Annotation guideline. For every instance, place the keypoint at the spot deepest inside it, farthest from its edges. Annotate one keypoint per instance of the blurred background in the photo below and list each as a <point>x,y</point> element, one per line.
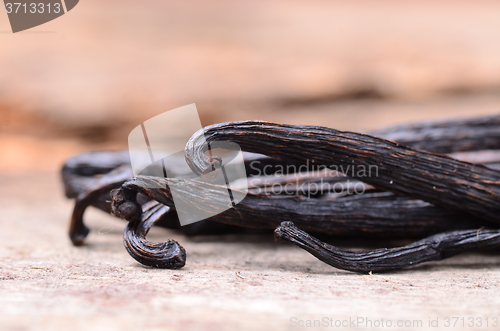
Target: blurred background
<point>83,81</point>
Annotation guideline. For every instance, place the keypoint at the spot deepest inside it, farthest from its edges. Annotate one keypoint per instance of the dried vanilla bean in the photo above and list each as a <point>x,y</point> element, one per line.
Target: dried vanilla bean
<point>96,194</point>
<point>380,215</point>
<point>431,193</point>
<point>447,136</point>
<point>437,247</point>
<point>88,172</point>
<point>438,179</point>
<point>169,255</point>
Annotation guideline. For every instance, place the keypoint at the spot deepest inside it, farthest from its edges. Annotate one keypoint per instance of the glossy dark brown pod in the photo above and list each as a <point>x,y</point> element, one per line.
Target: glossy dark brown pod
<point>168,255</point>
<point>435,178</point>
<point>359,215</point>
<point>447,136</point>
<point>83,170</point>
<point>89,176</point>
<point>433,248</point>
<point>96,193</point>
<point>425,137</point>
<point>378,215</point>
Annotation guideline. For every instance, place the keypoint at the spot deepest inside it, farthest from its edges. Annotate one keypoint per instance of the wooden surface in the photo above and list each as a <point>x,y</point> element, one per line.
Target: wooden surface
<point>230,282</point>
